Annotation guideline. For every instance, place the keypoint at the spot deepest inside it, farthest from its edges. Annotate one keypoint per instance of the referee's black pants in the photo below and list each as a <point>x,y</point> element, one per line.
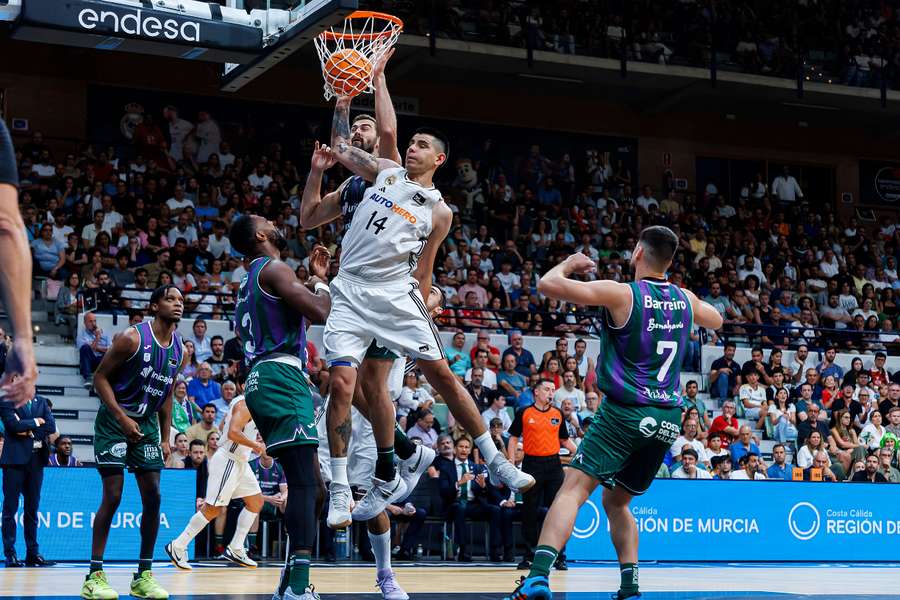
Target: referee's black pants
<point>548,477</point>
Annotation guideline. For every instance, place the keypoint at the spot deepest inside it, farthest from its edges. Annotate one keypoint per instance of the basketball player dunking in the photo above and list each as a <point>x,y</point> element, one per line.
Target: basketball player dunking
<point>376,135</point>
<point>647,327</point>
<point>387,257</point>
<point>135,382</point>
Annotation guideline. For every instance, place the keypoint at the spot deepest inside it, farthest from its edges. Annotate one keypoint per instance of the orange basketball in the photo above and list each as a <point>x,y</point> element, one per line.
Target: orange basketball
<point>348,72</point>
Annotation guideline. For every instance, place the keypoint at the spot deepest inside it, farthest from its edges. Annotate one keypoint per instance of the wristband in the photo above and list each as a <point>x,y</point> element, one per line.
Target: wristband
<point>322,287</point>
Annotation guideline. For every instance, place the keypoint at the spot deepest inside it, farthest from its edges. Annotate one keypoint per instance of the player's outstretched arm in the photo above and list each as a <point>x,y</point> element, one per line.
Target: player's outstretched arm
<point>240,416</point>
<point>385,116</point>
<point>556,284</point>
<point>705,315</point>
<point>15,280</point>
<point>281,280</point>
<point>442,217</point>
<point>357,160</point>
<point>123,347</point>
<point>315,210</point>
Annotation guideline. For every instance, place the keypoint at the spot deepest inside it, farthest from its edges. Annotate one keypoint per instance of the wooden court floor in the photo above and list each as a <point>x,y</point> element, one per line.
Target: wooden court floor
<point>483,583</point>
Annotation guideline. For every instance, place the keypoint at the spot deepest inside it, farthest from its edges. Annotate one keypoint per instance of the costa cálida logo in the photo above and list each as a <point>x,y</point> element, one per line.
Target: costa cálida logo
<point>138,23</point>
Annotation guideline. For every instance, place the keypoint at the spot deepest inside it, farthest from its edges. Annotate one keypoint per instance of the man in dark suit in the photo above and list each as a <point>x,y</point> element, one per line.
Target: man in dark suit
<point>468,495</point>
<point>25,454</point>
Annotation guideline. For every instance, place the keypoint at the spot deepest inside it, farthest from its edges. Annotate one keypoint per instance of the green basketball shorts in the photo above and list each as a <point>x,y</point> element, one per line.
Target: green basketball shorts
<point>112,448</point>
<point>279,399</point>
<point>626,444</point>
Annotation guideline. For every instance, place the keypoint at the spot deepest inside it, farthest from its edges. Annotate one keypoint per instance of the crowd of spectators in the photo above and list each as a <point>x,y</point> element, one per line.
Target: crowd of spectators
<point>833,41</point>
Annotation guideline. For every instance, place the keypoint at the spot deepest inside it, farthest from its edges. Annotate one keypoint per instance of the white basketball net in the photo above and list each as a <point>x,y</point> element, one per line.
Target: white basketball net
<point>369,34</point>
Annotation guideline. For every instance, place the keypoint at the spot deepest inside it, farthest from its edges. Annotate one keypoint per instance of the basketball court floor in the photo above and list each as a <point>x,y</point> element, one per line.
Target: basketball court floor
<point>581,582</point>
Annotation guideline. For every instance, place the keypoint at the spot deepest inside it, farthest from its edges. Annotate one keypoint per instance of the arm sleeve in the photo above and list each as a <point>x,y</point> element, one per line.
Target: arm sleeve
<point>8,172</point>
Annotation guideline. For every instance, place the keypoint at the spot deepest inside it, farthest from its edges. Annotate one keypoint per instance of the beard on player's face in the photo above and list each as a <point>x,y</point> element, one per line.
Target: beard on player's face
<point>363,143</point>
<point>277,239</point>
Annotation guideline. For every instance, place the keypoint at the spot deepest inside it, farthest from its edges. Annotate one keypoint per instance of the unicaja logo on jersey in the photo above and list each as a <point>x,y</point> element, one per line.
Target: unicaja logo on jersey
<point>138,24</point>
<point>648,426</point>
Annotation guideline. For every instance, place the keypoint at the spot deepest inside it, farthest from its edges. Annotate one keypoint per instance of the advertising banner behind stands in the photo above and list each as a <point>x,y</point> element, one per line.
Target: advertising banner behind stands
<point>709,520</point>
<point>879,182</point>
<point>71,496</point>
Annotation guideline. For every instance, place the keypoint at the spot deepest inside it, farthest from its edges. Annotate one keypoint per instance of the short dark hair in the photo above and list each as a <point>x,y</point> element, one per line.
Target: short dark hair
<point>365,117</point>
<point>210,405</point>
<point>756,349</point>
<point>730,344</point>
<point>690,452</point>
<point>777,446</point>
<point>659,244</point>
<point>200,443</point>
<point>160,292</point>
<point>437,135</point>
<point>692,381</point>
<point>140,270</point>
<point>541,382</point>
<point>880,355</point>
<point>123,253</point>
<point>242,233</point>
<point>216,337</point>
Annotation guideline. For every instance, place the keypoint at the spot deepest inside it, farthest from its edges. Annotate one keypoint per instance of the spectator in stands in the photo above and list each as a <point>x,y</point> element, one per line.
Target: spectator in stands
<point>458,359</point>
<point>201,430</point>
<point>749,468</point>
<point>806,402</point>
<point>424,429</point>
<point>202,389</point>
<point>724,374</point>
<point>726,424</point>
<point>137,296</point>
<point>273,485</point>
<point>525,364</point>
<point>202,344</point>
<point>67,303</point>
<point>871,434</point>
<point>820,469</point>
<point>568,391</point>
<point>212,442</point>
<point>688,437</point>
<point>480,393</point>
<point>49,255</point>
<point>782,415</point>
<point>216,360</point>
<point>229,391</point>
<point>92,345</point>
<point>779,469</point>
<point>813,422</point>
<point>591,404</point>
<point>813,443</point>
<point>180,452</point>
<point>893,426</point>
<point>415,517</point>
<point>23,459</point>
<point>743,445</point>
<point>721,467</point>
<point>510,383</point>
<point>467,496</point>
<point>753,397</point>
<point>62,454</point>
<point>412,397</point>
<point>871,474</point>
<point>497,410</point>
<point>891,401</point>
<point>887,469</point>
<point>489,378</point>
<point>689,468</point>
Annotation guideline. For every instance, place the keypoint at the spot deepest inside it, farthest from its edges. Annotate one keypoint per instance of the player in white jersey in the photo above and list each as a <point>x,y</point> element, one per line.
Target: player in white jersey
<point>230,476</point>
<point>387,259</point>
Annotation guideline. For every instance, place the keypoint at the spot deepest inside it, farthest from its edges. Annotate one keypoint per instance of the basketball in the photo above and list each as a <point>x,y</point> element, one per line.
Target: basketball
<point>348,72</point>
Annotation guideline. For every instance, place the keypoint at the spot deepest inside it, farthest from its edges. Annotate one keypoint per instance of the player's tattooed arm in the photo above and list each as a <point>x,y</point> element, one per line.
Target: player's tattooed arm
<point>357,160</point>
<point>316,210</point>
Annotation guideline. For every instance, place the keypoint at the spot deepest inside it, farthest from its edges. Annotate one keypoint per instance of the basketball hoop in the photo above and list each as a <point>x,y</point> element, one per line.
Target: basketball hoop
<point>349,53</point>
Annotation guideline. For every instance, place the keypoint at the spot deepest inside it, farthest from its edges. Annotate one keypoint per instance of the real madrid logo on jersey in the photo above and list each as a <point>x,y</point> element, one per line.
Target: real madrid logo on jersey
<point>391,180</point>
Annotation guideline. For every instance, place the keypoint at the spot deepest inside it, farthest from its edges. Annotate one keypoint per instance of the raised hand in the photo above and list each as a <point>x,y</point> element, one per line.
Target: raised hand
<point>378,71</point>
<point>319,262</point>
<point>322,158</point>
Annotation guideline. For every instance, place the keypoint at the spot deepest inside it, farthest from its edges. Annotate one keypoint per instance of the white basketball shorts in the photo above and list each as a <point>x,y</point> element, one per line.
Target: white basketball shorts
<point>395,317</point>
<point>229,479</point>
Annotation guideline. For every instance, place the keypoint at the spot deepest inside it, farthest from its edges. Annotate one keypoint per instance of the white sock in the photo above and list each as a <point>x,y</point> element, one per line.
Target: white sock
<point>194,526</point>
<point>381,548</point>
<point>339,471</point>
<point>486,446</point>
<point>244,522</point>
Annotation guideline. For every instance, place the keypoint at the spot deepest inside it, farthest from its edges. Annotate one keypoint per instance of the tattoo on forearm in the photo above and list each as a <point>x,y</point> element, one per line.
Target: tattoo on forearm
<point>363,158</point>
<point>340,125</point>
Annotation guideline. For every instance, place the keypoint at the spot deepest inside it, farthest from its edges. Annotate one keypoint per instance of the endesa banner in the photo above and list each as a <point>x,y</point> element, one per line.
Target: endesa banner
<point>70,498</point>
<point>710,520</point>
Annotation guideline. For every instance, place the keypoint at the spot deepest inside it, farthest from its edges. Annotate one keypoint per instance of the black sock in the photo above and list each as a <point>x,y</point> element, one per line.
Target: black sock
<point>384,464</point>
<point>144,564</point>
<point>96,564</point>
<point>628,573</point>
<point>402,446</point>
